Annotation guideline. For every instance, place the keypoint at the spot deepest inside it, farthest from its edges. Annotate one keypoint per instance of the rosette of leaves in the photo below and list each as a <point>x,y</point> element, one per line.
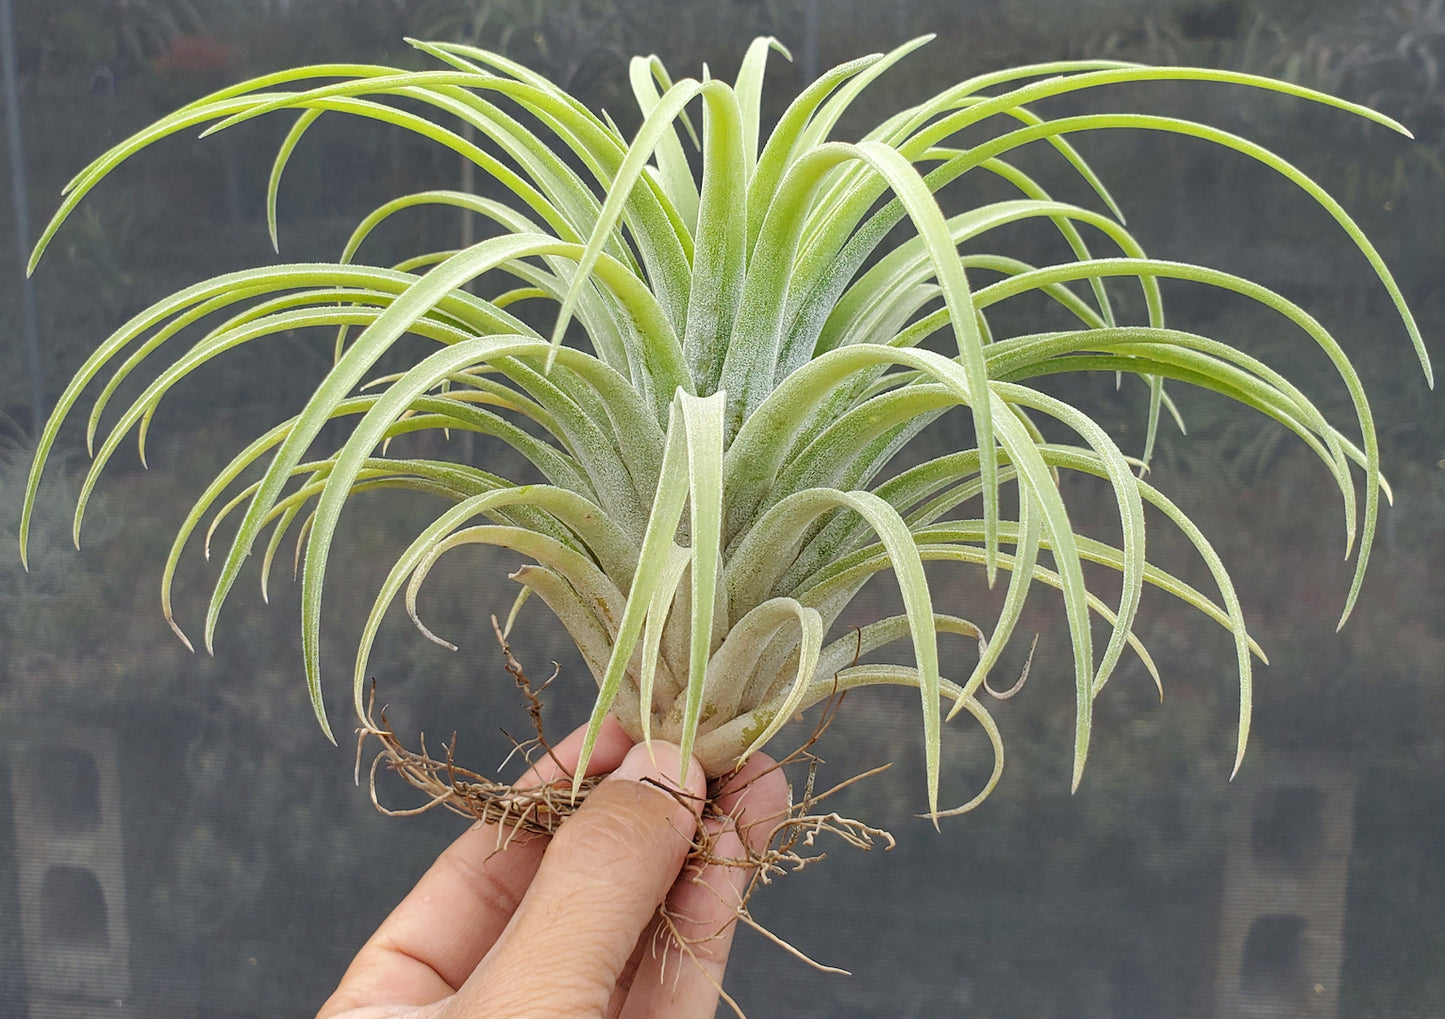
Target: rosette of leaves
<point>712,437</point>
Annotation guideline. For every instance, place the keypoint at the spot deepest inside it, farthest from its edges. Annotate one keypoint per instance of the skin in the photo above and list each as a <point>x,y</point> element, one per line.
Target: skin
<point>568,926</point>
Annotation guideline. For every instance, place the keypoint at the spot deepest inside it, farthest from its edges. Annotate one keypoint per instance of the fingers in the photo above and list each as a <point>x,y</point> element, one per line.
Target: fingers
<point>679,971</point>
<point>597,889</point>
<point>756,799</point>
<point>584,936</point>
<point>438,934</point>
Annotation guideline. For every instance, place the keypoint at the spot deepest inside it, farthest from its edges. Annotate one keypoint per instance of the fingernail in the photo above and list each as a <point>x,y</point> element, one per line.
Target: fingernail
<point>662,762</point>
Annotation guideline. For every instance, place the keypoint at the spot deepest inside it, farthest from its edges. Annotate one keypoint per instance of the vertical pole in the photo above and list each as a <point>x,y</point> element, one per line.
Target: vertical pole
<point>809,65</point>
<point>16,146</point>
<point>902,19</point>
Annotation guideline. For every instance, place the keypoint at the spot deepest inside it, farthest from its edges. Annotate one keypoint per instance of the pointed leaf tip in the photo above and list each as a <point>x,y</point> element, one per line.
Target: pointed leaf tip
<point>175,628</point>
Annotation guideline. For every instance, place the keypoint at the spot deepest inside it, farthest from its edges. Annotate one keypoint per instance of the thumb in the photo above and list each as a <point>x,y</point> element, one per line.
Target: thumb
<point>605,872</point>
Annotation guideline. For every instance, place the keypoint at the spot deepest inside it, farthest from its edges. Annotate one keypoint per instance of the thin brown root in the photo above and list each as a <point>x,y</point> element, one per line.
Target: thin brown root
<point>792,949</point>
<point>518,810</point>
<point>667,929</point>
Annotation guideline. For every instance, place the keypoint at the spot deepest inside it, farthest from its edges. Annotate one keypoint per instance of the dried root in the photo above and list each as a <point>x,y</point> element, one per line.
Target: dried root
<point>529,811</point>
<point>517,810</point>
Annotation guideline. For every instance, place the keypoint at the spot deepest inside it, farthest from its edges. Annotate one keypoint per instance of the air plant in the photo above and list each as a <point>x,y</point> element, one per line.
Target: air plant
<point>713,436</point>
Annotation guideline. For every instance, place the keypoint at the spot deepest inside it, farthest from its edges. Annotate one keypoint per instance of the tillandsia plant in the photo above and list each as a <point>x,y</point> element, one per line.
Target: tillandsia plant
<point>713,450</point>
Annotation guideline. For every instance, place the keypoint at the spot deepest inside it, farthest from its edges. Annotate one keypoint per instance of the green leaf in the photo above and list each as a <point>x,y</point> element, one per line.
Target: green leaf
<point>672,490</point>
<point>749,90</point>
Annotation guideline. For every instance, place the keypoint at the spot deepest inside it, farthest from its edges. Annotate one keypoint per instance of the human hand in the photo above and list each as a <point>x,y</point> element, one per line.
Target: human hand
<point>569,926</point>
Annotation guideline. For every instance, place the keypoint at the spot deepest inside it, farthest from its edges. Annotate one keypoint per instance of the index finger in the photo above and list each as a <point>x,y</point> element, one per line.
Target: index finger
<point>433,940</point>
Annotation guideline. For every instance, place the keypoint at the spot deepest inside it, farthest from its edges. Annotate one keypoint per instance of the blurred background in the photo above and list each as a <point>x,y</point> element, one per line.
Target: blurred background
<point>178,839</point>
